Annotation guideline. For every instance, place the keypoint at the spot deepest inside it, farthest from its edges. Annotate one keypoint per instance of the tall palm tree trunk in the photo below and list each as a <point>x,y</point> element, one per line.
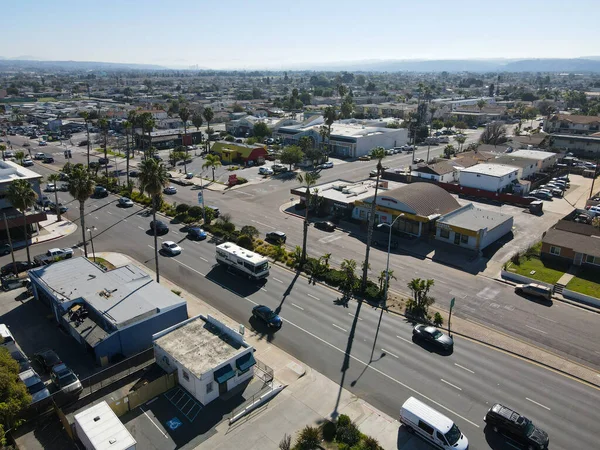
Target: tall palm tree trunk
<point>127,160</point>
<point>305,226</point>
<point>186,148</point>
<point>370,234</point>
<point>87,129</point>
<point>82,223</point>
<point>106,156</point>
<point>155,238</point>
<point>26,238</point>
<point>57,206</point>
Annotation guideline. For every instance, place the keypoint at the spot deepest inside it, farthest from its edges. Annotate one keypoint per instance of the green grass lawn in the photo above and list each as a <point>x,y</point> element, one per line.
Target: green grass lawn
<point>46,99</point>
<point>542,273</point>
<point>584,285</point>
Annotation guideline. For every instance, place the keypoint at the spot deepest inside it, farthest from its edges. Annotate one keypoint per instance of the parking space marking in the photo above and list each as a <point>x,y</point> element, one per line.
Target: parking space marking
<point>536,329</point>
<point>352,315</point>
<point>153,423</point>
<point>389,353</point>
<point>450,384</point>
<point>464,368</point>
<point>312,296</point>
<point>299,307</point>
<point>539,404</point>
<point>337,326</point>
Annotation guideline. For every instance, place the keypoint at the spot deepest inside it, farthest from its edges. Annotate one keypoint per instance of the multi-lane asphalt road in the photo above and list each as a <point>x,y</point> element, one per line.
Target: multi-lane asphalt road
<point>561,328</point>
<point>338,341</point>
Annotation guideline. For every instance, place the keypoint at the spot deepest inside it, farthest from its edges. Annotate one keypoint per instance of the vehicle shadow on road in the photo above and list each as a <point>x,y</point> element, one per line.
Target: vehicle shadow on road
<point>237,284</point>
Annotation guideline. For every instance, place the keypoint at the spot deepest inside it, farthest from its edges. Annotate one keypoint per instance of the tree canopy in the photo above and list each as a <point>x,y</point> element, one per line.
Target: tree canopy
<point>291,155</point>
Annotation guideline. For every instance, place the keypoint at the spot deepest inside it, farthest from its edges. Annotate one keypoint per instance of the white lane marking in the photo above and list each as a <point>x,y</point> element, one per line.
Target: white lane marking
<point>108,212</point>
<point>185,265</point>
<point>263,224</point>
<point>124,220</point>
<point>400,383</point>
<point>251,301</point>
<point>263,289</point>
<point>550,320</point>
<point>204,259</point>
<point>153,423</point>
<point>276,279</point>
<point>312,296</point>
<point>96,217</point>
<point>352,315</point>
<point>175,232</point>
<point>299,307</point>
<point>151,246</point>
<point>450,384</point>
<point>463,368</point>
<point>337,326</point>
<point>536,329</point>
<point>539,404</point>
<point>404,339</point>
<point>329,239</point>
<point>389,353</point>
<point>141,228</point>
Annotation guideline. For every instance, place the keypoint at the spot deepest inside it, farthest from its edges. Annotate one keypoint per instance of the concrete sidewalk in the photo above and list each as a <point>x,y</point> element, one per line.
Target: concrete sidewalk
<point>308,399</point>
<point>50,230</point>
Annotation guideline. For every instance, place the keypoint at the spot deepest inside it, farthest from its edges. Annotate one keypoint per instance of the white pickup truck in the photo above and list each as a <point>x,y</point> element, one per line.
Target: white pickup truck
<point>53,255</point>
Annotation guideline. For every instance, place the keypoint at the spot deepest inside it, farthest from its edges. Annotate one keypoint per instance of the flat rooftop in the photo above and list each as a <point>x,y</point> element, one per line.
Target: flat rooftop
<point>343,191</point>
<point>10,171</point>
<point>493,170</point>
<point>470,217</point>
<point>200,346</point>
<point>122,296</point>
<point>533,154</point>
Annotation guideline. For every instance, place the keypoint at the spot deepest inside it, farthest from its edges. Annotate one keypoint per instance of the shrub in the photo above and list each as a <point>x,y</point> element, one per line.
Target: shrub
<point>249,230</point>
<point>348,434</point>
<point>182,208</point>
<point>245,241</point>
<point>328,431</point>
<point>228,227</point>
<point>195,212</point>
<point>343,420</point>
<point>370,443</point>
<point>334,277</point>
<point>516,259</point>
<point>438,320</point>
<point>241,180</point>
<point>188,219</point>
<point>308,439</point>
<point>229,138</point>
<point>372,291</point>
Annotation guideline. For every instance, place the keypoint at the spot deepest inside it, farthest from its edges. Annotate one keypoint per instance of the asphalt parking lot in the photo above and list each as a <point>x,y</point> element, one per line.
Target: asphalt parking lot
<point>34,328</point>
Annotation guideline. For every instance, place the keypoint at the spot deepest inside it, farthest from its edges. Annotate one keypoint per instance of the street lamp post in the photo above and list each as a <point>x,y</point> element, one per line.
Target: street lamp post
<point>387,267</point>
<point>90,230</point>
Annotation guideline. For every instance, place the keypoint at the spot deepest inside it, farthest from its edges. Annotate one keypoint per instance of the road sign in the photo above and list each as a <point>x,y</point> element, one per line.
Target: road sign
<point>200,199</point>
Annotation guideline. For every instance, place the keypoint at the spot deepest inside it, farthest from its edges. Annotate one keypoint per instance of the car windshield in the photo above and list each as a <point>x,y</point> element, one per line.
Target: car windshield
<point>436,334</point>
<point>529,428</point>
<point>37,387</point>
<point>172,245</point>
<point>261,267</point>
<point>453,435</point>
<point>67,380</point>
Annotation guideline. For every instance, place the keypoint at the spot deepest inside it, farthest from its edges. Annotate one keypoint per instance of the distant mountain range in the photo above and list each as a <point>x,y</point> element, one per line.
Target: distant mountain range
<point>577,65</point>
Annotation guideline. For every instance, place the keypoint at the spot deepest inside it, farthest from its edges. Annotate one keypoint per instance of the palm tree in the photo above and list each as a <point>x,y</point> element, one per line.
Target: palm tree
<point>308,179</point>
<point>20,156</point>
<point>2,149</point>
<point>147,123</point>
<point>55,178</point>
<point>81,187</point>
<point>212,161</point>
<point>127,125</point>
<point>377,153</point>
<point>184,115</point>
<point>382,278</point>
<point>461,140</point>
<point>329,115</point>
<point>103,124</point>
<point>22,196</point>
<point>209,115</point>
<point>153,178</point>
<point>133,119</point>
<point>86,117</point>
<point>481,103</point>
<point>348,267</point>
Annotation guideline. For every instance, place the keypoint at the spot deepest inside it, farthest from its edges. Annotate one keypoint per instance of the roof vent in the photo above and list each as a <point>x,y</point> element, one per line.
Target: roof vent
<point>96,419</point>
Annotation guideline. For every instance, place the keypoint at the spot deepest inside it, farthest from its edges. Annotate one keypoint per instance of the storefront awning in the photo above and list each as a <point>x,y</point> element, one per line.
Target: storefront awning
<point>224,373</point>
<point>244,362</point>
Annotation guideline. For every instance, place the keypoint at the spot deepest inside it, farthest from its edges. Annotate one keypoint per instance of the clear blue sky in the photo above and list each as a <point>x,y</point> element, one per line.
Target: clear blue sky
<point>276,33</point>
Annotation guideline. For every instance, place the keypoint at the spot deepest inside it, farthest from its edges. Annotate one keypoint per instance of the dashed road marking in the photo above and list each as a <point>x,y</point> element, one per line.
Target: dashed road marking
<point>539,404</point>
<point>450,384</point>
<point>276,279</point>
<point>536,329</point>
<point>464,368</point>
<point>204,259</point>
<point>141,228</point>
<point>337,326</point>
<point>352,315</point>
<point>389,353</point>
<point>263,289</point>
<point>299,307</point>
<point>550,320</point>
<point>312,296</point>
<point>404,339</point>
<point>185,265</point>
<point>108,212</point>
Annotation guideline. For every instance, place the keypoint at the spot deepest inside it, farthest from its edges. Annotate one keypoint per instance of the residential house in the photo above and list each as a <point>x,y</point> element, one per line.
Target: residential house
<point>572,243</point>
<point>587,146</point>
<point>546,160</point>
<point>572,124</point>
<point>489,177</point>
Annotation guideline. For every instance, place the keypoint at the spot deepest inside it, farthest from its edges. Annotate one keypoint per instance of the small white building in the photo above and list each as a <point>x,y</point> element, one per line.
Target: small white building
<point>545,160</point>
<point>527,167</point>
<point>473,228</point>
<point>488,177</point>
<point>99,428</point>
<point>210,358</point>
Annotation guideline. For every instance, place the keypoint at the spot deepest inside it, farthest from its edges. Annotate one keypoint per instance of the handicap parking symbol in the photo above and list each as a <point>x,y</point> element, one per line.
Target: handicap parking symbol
<point>174,423</point>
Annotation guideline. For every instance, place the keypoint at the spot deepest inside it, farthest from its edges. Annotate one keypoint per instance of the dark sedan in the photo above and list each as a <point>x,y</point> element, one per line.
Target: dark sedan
<point>161,227</point>
<point>196,233</point>
<point>47,359</point>
<point>22,266</point>
<point>434,336</point>
<point>325,225</point>
<point>267,315</point>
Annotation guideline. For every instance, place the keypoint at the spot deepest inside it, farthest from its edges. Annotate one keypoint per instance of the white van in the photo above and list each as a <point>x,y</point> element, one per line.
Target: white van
<point>432,426</point>
<point>8,340</point>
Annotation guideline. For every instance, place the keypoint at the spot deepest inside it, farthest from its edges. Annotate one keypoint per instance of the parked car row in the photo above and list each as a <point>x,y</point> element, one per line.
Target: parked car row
<point>554,188</point>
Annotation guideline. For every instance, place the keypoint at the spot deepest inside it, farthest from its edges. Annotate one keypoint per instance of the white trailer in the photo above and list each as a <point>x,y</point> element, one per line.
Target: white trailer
<point>242,260</point>
<point>99,428</point>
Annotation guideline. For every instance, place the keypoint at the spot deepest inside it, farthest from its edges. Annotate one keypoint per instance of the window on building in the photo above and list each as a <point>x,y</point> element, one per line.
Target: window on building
<point>166,361</point>
<point>591,259</point>
<point>186,376</point>
<point>444,233</point>
<point>209,387</point>
<point>362,214</point>
<point>555,250</point>
<point>464,239</point>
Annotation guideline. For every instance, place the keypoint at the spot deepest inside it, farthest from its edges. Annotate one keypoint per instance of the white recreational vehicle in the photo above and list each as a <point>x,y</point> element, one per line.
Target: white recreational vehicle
<point>248,263</point>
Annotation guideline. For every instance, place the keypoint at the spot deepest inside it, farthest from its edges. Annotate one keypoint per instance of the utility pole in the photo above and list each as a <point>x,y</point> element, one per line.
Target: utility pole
<point>12,250</point>
<point>450,315</point>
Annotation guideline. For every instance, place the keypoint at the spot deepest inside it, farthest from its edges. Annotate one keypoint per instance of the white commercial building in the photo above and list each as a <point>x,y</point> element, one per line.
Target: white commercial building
<point>209,357</point>
<point>472,227</point>
<point>546,160</point>
<point>488,177</point>
<point>350,140</point>
<point>99,428</point>
<point>527,167</point>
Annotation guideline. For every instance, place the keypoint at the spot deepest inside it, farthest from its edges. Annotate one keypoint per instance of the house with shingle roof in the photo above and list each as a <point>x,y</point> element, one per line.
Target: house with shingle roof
<point>573,243</point>
<point>572,124</point>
